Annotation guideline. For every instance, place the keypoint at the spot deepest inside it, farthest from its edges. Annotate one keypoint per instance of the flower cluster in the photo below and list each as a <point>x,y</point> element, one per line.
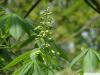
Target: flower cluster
<point>44,29</point>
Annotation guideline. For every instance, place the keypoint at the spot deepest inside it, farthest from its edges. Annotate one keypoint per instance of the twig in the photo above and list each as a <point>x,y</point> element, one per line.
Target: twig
<point>32,7</point>
<point>91,21</point>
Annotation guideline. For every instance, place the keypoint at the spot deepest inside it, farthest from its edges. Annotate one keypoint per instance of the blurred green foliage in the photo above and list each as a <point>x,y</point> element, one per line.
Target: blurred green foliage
<point>75,25</point>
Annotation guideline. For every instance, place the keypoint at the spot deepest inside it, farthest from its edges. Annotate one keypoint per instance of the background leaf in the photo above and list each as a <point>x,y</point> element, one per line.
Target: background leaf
<point>78,57</point>
<point>90,62</point>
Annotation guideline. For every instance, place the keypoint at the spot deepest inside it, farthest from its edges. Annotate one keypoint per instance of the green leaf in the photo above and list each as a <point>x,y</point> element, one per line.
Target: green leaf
<point>18,59</point>
<point>25,68</point>
<point>15,25</point>
<point>3,20</point>
<point>16,31</point>
<point>78,57</point>
<point>90,61</point>
<point>15,28</point>
<point>16,72</point>
<point>27,41</point>
<point>25,25</point>
<point>37,69</point>
<point>31,70</point>
<point>97,54</point>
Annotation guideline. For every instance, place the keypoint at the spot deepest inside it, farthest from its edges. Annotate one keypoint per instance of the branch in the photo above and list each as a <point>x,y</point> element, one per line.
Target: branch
<point>32,7</point>
<point>91,5</point>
